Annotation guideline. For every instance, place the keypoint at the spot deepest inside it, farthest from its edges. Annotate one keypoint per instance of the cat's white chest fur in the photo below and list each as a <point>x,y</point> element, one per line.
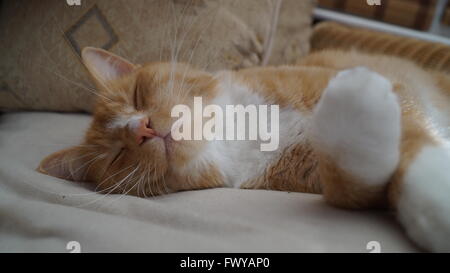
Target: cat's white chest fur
<point>242,160</point>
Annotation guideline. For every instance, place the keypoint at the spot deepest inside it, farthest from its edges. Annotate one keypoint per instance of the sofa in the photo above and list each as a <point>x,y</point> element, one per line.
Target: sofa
<point>45,103</point>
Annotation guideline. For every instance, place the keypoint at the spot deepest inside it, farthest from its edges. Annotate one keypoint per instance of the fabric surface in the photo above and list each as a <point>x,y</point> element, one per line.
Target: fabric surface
<point>40,68</point>
<point>41,213</point>
<point>330,35</point>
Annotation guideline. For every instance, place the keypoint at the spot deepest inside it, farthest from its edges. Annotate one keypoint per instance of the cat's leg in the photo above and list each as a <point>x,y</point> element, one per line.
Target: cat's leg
<point>420,192</point>
<point>356,130</point>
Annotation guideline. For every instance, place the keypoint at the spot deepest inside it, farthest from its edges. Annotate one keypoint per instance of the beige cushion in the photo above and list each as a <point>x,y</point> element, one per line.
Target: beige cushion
<point>40,68</point>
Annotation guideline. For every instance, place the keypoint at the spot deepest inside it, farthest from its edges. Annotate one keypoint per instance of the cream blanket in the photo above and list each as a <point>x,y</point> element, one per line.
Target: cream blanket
<point>41,213</point>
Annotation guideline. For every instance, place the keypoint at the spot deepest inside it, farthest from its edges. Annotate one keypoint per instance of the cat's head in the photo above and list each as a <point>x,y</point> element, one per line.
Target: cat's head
<point>128,147</point>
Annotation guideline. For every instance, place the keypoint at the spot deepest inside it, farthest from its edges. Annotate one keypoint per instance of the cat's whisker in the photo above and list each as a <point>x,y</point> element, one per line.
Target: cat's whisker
<point>177,47</point>
<point>70,194</point>
<point>138,189</point>
<point>112,190</point>
<point>166,34</point>
<point>161,186</point>
<point>163,179</point>
<point>154,181</point>
<point>92,91</point>
<point>68,144</point>
<point>141,185</point>
<point>149,181</point>
<point>69,162</point>
<point>186,32</point>
<point>90,164</point>
<point>193,52</point>
<point>96,192</point>
<point>125,191</point>
<point>172,49</point>
<point>209,49</point>
<point>114,187</point>
<point>147,187</point>
<point>109,177</point>
<point>66,161</point>
<point>157,181</point>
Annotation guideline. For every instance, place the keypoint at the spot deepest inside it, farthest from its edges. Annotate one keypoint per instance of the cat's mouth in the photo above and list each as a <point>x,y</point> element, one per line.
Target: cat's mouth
<point>164,140</point>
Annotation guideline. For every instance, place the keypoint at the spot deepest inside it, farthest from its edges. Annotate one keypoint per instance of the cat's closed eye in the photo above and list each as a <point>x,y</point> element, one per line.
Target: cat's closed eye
<point>137,103</point>
<point>138,94</point>
<point>117,156</point>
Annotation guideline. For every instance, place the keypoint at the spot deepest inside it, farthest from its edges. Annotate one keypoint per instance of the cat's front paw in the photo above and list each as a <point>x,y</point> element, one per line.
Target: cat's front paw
<point>357,123</point>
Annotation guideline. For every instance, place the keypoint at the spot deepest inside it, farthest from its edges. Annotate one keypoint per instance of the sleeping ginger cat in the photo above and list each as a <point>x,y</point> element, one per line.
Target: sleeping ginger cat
<point>366,131</point>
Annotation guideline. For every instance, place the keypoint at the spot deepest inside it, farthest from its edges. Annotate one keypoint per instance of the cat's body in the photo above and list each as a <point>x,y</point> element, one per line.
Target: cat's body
<point>242,162</point>
<point>366,131</point>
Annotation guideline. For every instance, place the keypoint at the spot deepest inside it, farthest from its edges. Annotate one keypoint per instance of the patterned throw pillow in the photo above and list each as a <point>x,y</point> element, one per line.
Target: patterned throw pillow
<point>40,68</point>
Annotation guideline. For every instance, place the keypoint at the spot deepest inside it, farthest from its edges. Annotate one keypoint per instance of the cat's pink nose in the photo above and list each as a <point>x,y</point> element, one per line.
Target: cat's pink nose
<point>143,131</point>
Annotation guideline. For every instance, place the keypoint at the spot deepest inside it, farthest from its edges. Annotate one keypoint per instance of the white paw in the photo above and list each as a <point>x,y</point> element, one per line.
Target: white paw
<point>423,206</point>
<point>357,122</point>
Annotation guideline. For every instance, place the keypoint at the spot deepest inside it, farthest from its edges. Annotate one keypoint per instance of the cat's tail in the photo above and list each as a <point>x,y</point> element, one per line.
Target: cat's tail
<point>420,193</point>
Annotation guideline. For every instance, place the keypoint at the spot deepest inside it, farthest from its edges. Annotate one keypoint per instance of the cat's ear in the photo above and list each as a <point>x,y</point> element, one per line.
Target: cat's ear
<point>105,66</point>
<point>70,164</point>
